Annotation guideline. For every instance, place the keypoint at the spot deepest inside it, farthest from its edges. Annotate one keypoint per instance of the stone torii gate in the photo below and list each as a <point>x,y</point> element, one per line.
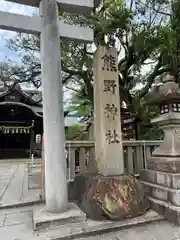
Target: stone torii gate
<point>51,29</point>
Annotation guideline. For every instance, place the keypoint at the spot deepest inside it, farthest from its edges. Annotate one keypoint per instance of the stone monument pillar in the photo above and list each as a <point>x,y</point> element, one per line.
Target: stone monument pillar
<point>108,141</point>
<point>109,194</point>
<point>162,176</point>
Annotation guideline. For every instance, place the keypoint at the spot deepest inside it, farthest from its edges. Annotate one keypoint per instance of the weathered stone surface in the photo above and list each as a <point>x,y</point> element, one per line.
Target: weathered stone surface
<point>43,219</point>
<point>81,183</point>
<point>108,157</point>
<point>170,212</point>
<point>114,198</point>
<point>161,178</point>
<point>170,180</point>
<point>164,164</point>
<point>163,193</point>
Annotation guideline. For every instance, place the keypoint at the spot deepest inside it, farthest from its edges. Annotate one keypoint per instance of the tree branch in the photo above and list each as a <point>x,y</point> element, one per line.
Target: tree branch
<point>64,81</point>
<point>157,71</point>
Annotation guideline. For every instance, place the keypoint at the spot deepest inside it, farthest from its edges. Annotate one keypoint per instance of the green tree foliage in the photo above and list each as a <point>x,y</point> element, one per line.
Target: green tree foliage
<point>80,106</point>
<point>146,34</point>
<point>74,131</point>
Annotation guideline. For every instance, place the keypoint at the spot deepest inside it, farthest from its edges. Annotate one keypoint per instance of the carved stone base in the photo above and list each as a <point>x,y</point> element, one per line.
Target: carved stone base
<point>164,164</point>
<point>113,197</point>
<point>170,212</point>
<point>168,180</point>
<point>163,190</point>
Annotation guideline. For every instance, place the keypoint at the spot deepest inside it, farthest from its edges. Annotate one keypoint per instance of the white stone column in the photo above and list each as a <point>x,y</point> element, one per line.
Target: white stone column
<point>53,114</point>
<point>107,131</point>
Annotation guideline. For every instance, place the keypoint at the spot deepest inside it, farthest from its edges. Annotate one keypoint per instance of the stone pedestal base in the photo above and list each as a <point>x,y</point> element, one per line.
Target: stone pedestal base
<point>163,190</point>
<point>89,229</point>
<point>42,219</point>
<point>164,164</point>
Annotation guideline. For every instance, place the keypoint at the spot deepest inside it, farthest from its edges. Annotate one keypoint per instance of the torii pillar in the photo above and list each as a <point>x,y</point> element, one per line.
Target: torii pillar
<point>55,164</point>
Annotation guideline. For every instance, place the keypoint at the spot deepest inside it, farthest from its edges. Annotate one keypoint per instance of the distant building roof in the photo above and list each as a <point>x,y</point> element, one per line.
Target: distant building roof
<point>35,96</point>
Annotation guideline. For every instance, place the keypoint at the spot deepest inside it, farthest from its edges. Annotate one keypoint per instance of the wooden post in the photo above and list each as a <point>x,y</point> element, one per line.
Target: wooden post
<point>32,139</point>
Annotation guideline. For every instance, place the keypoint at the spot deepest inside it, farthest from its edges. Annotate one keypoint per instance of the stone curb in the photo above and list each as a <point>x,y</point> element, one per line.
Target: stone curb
<point>92,232</point>
<point>24,204</point>
<point>83,230</point>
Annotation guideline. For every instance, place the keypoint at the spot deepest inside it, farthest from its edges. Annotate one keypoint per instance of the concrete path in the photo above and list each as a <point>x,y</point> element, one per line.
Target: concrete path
<point>16,224</point>
<point>154,231</point>
<point>14,184</point>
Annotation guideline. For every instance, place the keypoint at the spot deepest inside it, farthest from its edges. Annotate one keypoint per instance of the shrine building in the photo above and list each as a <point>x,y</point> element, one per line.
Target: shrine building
<point>21,123</point>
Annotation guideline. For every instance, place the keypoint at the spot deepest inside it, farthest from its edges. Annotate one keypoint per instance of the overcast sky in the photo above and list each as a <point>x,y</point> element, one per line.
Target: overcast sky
<point>4,35</point>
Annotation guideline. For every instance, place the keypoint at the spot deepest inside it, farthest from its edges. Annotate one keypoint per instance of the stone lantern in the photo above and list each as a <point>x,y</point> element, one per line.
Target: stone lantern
<point>167,97</point>
<point>162,176</point>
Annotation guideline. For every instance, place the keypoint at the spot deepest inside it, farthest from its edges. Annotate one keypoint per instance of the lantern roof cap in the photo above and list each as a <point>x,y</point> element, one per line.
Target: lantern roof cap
<point>169,91</point>
<point>168,78</point>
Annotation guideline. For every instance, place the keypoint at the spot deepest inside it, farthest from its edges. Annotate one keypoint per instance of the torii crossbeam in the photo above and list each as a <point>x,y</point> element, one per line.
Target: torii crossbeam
<point>32,25</point>
<point>72,6</point>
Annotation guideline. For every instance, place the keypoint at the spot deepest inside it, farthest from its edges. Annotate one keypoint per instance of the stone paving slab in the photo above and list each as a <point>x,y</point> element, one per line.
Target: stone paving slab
<point>32,195</point>
<point>18,232</point>
<point>14,185</point>
<point>18,218</point>
<point>14,188</point>
<point>8,174</point>
<point>15,210</point>
<point>3,170</point>
<point>2,218</point>
<point>34,181</point>
<point>2,190</point>
<point>25,187</point>
<point>4,182</point>
<point>154,231</point>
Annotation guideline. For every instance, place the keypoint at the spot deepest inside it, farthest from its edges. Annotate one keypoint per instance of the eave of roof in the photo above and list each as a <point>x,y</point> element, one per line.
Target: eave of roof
<point>22,93</point>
